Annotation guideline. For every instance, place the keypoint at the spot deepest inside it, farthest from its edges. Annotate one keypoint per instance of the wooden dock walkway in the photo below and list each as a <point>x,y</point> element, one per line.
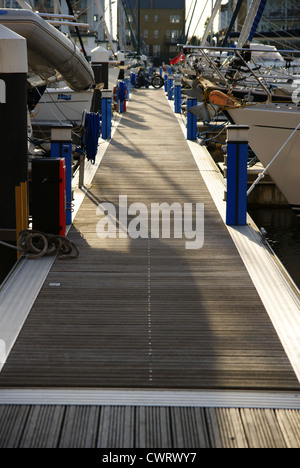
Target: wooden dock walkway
<point>148,314</point>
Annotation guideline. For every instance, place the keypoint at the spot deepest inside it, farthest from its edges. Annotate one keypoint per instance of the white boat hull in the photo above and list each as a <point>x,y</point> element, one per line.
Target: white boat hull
<point>269,129</point>
<point>62,105</point>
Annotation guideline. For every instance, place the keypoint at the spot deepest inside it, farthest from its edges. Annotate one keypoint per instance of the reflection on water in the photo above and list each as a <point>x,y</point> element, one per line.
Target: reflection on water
<point>283,234</point>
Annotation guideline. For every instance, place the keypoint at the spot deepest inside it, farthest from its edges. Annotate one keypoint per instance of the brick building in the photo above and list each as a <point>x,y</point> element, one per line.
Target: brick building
<point>162,24</point>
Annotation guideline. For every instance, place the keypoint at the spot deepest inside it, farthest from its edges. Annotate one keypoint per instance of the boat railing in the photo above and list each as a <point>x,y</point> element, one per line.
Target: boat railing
<point>212,60</point>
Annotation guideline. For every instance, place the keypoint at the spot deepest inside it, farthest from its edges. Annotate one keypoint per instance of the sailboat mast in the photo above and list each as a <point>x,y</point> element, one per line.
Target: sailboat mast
<point>121,25</point>
<point>252,11</point>
<point>211,21</point>
<point>103,22</point>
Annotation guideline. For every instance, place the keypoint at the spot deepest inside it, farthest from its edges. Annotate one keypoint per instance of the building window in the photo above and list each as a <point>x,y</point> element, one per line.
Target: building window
<point>174,36</point>
<point>145,33</point>
<point>155,18</point>
<point>156,33</point>
<point>146,18</point>
<point>156,50</point>
<point>174,18</point>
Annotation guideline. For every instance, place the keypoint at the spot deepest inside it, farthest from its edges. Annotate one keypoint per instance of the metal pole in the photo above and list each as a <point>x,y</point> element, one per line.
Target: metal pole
<point>139,26</point>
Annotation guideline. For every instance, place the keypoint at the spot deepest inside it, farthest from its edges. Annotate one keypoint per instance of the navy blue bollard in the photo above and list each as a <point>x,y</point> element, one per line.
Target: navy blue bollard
<point>121,97</point>
<point>170,87</point>
<point>237,155</point>
<point>61,147</point>
<point>191,120</point>
<point>106,100</point>
<point>166,83</point>
<point>132,79</point>
<point>177,96</point>
<point>127,84</point>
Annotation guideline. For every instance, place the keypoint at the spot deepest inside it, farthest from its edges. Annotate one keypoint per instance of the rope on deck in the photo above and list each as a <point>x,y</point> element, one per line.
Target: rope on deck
<point>34,244</point>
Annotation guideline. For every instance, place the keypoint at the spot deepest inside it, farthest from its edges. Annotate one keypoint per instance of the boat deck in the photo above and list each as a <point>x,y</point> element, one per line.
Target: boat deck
<point>142,342</point>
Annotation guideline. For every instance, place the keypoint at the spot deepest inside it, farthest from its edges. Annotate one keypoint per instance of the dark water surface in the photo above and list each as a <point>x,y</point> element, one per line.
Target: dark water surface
<point>283,234</point>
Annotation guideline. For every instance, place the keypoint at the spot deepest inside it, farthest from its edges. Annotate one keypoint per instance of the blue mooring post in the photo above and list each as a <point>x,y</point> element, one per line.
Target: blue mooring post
<point>121,97</point>
<point>170,87</point>
<point>191,120</point>
<point>237,155</point>
<point>127,84</point>
<point>166,83</point>
<point>132,79</point>
<point>177,95</point>
<point>106,100</point>
<point>61,147</point>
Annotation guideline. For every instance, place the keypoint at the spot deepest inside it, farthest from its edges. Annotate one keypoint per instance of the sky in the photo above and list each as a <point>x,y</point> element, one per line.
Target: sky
<point>203,10</point>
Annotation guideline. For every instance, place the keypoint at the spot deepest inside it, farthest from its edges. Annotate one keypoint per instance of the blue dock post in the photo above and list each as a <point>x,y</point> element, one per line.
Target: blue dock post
<point>237,154</point>
<point>127,84</point>
<point>191,120</point>
<point>61,147</point>
<point>106,101</point>
<point>132,79</point>
<point>121,97</point>
<point>166,83</point>
<point>170,87</point>
<point>177,95</point>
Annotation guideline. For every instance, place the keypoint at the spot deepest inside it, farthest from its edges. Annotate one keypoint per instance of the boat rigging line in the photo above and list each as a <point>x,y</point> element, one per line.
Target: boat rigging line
<point>188,29</point>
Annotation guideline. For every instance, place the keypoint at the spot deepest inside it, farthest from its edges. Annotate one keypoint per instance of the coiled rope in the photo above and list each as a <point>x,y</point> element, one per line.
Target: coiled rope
<point>34,244</point>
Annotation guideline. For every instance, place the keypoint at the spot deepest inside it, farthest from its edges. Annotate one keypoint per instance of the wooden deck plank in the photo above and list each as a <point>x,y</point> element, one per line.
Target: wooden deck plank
<point>80,427</point>
<point>42,428</point>
<point>117,427</point>
<point>109,427</point>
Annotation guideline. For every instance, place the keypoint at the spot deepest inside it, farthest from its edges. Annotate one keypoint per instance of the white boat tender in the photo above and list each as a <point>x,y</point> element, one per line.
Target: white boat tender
<point>271,130</point>
<point>51,55</point>
<point>62,105</point>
